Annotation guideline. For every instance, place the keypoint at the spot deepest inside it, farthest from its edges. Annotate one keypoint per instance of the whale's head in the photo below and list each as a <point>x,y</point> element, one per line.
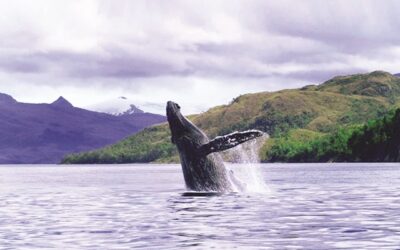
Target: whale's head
<point>179,125</point>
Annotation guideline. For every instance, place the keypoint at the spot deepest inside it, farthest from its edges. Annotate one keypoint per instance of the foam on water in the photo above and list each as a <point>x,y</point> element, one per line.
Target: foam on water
<point>248,169</point>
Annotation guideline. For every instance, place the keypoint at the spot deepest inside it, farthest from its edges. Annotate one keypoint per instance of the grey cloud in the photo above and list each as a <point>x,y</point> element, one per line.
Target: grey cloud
<point>348,26</point>
<point>91,65</point>
<point>19,65</point>
<point>123,66</point>
<point>265,55</point>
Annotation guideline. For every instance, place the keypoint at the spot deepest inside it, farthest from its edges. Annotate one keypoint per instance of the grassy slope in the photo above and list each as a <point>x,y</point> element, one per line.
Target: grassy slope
<point>316,109</point>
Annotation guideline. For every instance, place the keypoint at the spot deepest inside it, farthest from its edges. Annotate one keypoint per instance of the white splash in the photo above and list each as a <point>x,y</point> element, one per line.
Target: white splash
<point>248,168</point>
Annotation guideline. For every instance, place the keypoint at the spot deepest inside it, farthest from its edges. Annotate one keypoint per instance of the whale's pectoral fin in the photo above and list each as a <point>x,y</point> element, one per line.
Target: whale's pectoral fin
<point>225,142</point>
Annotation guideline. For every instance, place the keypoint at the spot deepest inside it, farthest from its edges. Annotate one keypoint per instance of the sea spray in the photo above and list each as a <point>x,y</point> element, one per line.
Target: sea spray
<point>247,167</point>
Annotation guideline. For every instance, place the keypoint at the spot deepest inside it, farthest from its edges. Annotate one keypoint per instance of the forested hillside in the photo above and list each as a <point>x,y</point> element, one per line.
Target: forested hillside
<point>376,141</point>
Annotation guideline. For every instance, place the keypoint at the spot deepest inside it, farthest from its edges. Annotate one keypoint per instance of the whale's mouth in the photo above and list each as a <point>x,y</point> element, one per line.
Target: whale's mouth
<point>175,120</point>
<point>172,108</point>
<point>173,112</point>
<point>178,124</point>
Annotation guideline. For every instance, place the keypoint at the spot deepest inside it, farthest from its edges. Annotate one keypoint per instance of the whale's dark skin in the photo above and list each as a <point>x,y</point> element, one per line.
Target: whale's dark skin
<point>203,168</point>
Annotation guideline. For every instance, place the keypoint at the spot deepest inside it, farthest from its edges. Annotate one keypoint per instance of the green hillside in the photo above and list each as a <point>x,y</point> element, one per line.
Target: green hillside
<point>316,109</point>
<point>376,141</point>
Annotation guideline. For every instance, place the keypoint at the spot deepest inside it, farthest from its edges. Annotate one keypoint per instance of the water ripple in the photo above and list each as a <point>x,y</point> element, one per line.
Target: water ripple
<point>110,207</point>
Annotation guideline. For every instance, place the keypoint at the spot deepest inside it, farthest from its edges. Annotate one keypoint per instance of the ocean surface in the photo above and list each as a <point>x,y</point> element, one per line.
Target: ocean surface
<point>300,206</point>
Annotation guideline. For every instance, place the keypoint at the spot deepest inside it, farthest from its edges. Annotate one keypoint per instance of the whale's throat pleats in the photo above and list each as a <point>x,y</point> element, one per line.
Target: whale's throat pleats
<point>180,126</point>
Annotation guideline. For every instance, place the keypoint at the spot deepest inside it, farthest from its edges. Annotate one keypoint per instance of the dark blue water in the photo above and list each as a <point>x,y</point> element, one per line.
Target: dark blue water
<point>309,206</point>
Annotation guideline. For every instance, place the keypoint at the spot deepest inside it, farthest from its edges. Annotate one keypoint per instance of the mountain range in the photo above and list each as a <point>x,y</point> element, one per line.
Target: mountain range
<point>302,113</point>
<point>44,133</point>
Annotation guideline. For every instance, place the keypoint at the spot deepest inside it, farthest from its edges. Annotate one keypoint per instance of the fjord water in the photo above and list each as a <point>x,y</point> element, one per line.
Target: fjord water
<point>308,206</point>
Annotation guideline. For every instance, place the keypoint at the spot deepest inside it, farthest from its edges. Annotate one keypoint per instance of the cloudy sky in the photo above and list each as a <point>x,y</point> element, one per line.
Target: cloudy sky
<point>198,53</point>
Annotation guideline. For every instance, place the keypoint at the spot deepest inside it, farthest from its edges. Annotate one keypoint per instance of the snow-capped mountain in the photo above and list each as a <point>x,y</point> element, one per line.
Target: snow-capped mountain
<point>118,107</point>
<point>132,110</point>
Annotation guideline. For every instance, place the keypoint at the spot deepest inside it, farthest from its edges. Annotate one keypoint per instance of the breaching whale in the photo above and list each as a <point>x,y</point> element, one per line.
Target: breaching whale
<point>203,168</point>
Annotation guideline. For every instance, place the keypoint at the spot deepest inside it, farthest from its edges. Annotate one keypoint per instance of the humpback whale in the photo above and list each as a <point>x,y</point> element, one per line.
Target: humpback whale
<point>202,166</point>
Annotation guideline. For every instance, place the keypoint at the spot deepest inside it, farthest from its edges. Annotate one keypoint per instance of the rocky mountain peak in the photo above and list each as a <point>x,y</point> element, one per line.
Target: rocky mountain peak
<point>62,103</point>
<point>132,110</point>
<point>6,99</point>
